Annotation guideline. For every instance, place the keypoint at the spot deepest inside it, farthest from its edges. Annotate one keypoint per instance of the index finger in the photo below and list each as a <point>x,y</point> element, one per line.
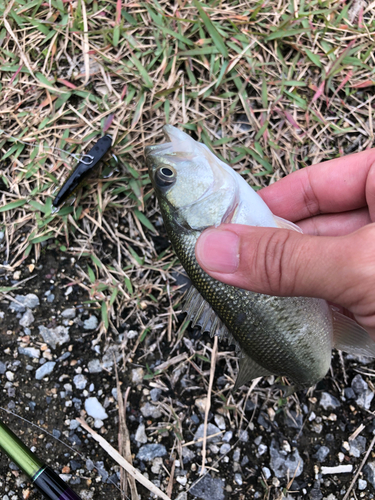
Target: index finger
<point>333,186</point>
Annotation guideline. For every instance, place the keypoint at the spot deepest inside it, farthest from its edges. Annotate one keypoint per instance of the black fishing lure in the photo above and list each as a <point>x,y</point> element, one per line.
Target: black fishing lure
<point>89,161</point>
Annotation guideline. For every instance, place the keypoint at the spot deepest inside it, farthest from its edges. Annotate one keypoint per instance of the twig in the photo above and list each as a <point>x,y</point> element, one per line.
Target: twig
<point>171,477</point>
<point>359,469</point>
<point>208,404</point>
<point>121,461</point>
<point>124,439</point>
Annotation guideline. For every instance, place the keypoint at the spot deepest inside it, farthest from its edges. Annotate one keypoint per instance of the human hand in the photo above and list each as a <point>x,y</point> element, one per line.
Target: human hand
<point>334,204</point>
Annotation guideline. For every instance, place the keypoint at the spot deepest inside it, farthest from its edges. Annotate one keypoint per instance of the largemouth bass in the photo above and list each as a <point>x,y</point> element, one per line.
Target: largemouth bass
<point>284,336</point>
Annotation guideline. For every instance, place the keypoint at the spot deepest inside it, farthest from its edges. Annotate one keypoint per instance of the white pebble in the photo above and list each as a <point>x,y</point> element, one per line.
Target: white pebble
<point>95,409</point>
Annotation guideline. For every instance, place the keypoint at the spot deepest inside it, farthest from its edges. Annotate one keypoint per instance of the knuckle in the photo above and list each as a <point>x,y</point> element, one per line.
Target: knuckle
<point>275,254</point>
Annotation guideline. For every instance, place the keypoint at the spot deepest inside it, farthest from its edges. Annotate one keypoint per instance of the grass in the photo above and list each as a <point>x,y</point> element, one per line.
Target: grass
<point>269,86</point>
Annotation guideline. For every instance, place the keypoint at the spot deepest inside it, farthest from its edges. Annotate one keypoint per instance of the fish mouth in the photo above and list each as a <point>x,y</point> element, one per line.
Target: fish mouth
<point>158,149</point>
<point>178,142</point>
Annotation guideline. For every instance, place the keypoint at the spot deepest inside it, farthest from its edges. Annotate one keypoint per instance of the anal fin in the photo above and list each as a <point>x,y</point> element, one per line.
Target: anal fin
<point>348,336</point>
<point>249,370</point>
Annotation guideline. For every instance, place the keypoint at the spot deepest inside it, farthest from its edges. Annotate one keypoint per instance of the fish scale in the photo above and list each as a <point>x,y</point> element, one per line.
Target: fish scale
<point>259,312</point>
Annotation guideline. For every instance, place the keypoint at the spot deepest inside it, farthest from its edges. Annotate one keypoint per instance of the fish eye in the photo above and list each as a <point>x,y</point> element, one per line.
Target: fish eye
<point>165,176</point>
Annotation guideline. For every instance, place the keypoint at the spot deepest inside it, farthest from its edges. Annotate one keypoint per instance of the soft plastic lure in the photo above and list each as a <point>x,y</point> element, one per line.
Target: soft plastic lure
<point>84,168</point>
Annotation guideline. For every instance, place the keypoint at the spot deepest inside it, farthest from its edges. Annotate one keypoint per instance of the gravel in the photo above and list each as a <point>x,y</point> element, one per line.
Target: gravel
<point>284,463</point>
<point>328,401</point>
<point>95,409</point>
<point>208,488</point>
<point>150,451</point>
<point>211,430</point>
<point>91,323</point>
<point>55,336</point>
<point>45,370</point>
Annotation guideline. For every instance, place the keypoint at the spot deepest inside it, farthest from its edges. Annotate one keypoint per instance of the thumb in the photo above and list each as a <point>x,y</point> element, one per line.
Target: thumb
<point>277,261</point>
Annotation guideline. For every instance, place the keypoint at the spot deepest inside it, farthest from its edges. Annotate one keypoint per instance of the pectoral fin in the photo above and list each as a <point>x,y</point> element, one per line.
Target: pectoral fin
<point>249,370</point>
<point>348,336</point>
<point>285,224</point>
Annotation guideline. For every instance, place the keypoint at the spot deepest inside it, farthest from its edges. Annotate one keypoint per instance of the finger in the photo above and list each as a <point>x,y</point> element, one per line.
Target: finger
<point>370,192</point>
<point>335,224</point>
<point>279,262</point>
<point>334,186</point>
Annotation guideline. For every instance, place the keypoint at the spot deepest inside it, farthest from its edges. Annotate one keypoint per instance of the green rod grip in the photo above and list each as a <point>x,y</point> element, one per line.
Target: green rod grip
<point>18,452</point>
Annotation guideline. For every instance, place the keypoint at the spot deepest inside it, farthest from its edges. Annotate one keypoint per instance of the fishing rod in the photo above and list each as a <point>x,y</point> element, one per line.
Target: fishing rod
<point>43,478</point>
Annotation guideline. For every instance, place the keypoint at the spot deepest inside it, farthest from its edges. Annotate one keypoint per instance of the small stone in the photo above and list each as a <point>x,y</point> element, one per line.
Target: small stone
<point>201,404</point>
<point>362,484</point>
<point>94,366</point>
<point>69,313</point>
<point>155,394</point>
<point>236,455</point>
<point>80,381</point>
<point>211,429</point>
<point>182,480</point>
<point>24,301</point>
<point>86,494</point>
<point>31,352</point>
<point>91,323</point>
<point>10,376</point>
<point>27,318</point>
<point>131,334</point>
<point>137,375</point>
<point>262,448</point>
<point>266,472</point>
<point>156,465</point>
<point>329,401</point>
<point>55,336</point>
<point>357,446</point>
<point>98,423</point>
<point>243,436</point>
<point>148,452</point>
<point>285,465</point>
<point>359,385</point>
<point>315,494</point>
<point>2,368</point>
<point>227,436</point>
<point>140,435</point>
<point>95,409</point>
<point>208,488</point>
<point>187,454</point>
<point>45,370</point>
<point>349,393</point>
<point>317,428</point>
<point>238,478</point>
<point>220,421</point>
<point>150,410</point>
<point>364,395</point>
<point>322,453</point>
<point>294,420</point>
<point>182,496</point>
<point>258,440</point>
<point>225,448</point>
<point>369,471</point>
<point>111,355</point>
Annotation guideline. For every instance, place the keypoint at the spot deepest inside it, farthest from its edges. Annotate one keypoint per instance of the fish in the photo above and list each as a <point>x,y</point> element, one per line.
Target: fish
<point>290,337</point>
